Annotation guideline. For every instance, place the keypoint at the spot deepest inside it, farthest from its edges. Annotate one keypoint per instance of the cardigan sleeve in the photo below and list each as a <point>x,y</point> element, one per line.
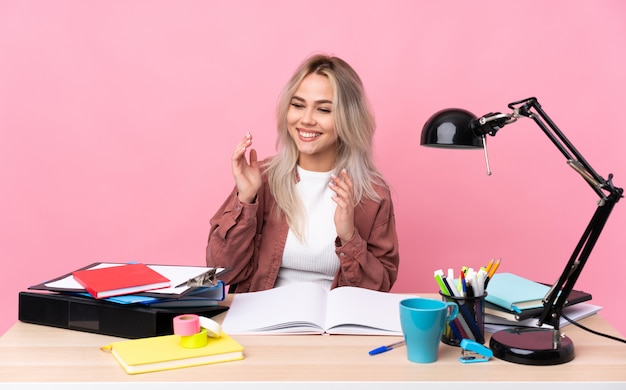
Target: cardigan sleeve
<point>231,239</point>
<point>371,258</point>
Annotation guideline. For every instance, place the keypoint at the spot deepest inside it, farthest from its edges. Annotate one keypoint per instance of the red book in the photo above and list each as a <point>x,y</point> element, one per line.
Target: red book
<point>120,280</point>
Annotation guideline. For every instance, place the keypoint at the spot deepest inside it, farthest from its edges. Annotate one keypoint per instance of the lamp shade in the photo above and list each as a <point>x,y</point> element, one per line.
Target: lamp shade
<point>451,128</point>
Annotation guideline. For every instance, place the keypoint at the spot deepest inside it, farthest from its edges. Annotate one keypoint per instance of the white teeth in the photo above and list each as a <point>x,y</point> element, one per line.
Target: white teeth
<point>308,135</point>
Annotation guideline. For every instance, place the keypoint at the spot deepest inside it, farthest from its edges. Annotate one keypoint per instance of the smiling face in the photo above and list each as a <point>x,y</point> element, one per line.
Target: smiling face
<point>311,123</point>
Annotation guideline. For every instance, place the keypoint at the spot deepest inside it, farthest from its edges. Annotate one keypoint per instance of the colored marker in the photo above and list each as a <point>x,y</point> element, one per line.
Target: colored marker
<point>442,286</point>
<point>451,287</point>
<point>463,285</point>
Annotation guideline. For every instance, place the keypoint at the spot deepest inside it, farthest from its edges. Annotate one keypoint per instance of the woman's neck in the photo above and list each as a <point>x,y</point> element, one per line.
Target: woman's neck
<point>316,164</point>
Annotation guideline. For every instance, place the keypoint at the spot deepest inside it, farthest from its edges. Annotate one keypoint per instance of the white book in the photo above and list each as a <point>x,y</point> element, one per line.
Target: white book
<point>305,308</point>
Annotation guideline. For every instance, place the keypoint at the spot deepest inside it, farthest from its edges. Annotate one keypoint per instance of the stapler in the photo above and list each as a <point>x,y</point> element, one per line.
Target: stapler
<point>473,352</point>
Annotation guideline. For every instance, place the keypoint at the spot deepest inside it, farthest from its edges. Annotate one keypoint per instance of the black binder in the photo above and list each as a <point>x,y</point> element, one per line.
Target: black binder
<point>96,316</point>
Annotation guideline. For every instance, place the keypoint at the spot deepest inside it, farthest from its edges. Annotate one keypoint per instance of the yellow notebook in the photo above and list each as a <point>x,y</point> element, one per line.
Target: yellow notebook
<point>165,353</point>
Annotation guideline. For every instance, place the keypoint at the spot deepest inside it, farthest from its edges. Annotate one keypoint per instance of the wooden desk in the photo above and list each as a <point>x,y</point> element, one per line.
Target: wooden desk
<point>34,353</point>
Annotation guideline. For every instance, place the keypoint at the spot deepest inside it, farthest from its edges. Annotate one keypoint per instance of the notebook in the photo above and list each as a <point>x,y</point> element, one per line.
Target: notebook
<point>574,297</point>
<point>515,293</point>
<point>165,353</point>
<point>121,280</point>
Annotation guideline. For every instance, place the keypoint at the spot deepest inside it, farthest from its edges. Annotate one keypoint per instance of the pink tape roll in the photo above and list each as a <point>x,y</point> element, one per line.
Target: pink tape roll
<point>186,324</point>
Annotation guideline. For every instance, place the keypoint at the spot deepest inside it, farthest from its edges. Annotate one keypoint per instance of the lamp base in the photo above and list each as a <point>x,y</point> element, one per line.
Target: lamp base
<point>532,346</point>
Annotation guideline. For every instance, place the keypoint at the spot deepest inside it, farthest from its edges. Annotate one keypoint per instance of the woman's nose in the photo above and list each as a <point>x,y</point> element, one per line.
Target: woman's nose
<point>308,117</point>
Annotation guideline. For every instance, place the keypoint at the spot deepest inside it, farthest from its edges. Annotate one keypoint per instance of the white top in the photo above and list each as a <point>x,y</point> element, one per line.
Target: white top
<point>313,259</point>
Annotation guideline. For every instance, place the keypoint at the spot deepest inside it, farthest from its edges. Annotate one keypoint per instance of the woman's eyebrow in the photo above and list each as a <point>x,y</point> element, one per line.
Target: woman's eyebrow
<point>322,101</point>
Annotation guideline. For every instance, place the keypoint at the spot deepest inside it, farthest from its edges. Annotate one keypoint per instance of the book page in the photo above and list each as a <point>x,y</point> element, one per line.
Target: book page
<point>354,310</point>
<point>291,309</point>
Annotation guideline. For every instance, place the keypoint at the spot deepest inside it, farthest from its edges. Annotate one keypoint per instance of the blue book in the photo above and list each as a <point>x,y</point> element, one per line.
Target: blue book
<point>199,297</point>
<point>126,299</point>
<point>515,293</point>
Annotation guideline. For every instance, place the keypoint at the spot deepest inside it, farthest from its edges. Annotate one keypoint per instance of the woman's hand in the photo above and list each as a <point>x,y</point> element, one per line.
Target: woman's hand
<point>247,175</point>
<point>344,197</point>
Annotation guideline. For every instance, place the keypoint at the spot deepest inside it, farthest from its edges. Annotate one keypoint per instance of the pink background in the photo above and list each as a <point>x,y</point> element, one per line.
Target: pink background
<point>118,119</point>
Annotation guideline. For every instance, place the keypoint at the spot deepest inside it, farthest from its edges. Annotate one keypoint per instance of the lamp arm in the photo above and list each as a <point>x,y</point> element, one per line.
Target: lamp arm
<point>532,109</point>
<point>556,298</point>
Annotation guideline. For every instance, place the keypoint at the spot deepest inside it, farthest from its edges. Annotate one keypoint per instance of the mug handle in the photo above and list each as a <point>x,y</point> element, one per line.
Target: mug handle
<point>452,309</point>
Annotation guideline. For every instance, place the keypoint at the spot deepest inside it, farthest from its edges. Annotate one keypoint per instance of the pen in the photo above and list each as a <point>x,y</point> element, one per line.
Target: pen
<point>454,292</point>
<point>386,348</point>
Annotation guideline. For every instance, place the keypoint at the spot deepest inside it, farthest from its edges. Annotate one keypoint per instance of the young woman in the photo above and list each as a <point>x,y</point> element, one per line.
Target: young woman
<point>319,210</point>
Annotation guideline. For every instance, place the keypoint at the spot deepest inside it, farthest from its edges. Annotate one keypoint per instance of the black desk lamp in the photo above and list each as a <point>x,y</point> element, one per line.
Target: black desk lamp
<point>457,128</point>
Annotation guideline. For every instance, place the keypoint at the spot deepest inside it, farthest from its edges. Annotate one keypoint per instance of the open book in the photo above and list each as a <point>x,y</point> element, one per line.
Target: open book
<point>301,308</point>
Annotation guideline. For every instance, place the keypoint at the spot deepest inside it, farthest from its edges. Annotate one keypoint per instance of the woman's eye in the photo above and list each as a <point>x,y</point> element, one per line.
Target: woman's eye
<point>325,110</point>
<point>297,105</point>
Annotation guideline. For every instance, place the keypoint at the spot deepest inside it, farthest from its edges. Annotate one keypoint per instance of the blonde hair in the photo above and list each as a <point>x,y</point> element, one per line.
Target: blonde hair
<point>354,125</point>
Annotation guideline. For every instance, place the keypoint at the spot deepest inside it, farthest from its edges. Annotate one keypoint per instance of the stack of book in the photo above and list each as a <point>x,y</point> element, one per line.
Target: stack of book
<point>103,297</point>
<point>513,300</point>
<point>139,302</point>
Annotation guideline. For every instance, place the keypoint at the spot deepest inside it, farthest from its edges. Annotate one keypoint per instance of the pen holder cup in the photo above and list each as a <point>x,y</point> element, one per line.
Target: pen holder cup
<point>469,324</point>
